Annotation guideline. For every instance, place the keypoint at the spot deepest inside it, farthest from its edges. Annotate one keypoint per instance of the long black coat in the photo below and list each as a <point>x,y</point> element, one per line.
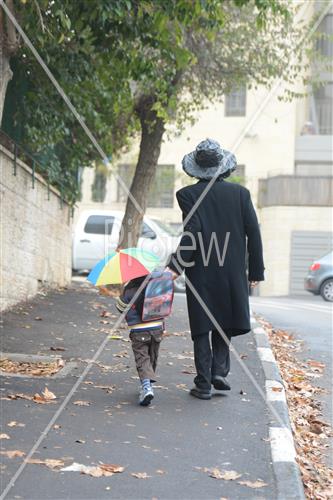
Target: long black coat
<point>221,285</point>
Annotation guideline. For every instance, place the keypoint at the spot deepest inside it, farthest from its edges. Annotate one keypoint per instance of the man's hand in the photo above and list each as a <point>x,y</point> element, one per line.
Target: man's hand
<point>254,283</point>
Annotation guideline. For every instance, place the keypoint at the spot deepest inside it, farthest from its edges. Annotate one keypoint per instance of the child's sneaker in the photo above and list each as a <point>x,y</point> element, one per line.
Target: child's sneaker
<point>146,393</point>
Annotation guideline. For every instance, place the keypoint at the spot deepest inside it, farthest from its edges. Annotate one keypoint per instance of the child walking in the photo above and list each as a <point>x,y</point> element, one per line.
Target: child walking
<point>145,318</point>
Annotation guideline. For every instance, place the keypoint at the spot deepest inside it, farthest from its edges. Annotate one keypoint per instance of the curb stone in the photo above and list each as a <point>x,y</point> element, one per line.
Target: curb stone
<point>286,470</point>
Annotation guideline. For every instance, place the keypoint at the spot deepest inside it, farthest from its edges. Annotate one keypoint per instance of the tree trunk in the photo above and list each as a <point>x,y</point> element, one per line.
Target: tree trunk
<point>5,76</point>
<point>8,45</point>
<point>152,130</point>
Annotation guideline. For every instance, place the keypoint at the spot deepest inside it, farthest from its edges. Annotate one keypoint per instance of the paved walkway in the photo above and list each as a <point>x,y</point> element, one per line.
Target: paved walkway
<point>174,441</point>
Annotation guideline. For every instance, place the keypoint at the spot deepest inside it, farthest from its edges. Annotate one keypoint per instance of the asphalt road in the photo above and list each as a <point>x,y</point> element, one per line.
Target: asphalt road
<point>310,319</point>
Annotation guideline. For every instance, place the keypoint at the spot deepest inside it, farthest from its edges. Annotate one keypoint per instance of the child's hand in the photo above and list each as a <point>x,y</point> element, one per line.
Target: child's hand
<point>174,274</point>
<point>104,291</point>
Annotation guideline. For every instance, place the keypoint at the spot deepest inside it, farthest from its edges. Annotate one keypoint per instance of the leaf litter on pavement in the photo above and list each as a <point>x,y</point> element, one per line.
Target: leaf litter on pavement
<point>12,453</point>
<point>81,403</point>
<point>94,470</point>
<point>51,463</point>
<point>46,397</point>
<point>91,470</point>
<point>311,432</point>
<point>231,475</point>
<point>253,484</point>
<point>227,475</point>
<point>140,475</point>
<point>13,423</point>
<point>32,368</point>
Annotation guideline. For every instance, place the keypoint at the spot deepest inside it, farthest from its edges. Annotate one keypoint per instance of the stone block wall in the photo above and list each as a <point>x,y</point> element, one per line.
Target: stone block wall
<point>35,234</point>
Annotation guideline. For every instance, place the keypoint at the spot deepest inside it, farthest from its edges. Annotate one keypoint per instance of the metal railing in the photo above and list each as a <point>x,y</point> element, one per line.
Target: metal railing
<point>37,167</point>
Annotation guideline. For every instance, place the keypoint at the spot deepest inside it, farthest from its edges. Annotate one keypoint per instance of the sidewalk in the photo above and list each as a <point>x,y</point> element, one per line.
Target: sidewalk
<point>175,441</point>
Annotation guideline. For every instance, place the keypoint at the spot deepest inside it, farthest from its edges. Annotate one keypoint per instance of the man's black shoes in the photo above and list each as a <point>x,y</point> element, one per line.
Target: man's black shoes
<point>200,393</point>
<point>220,383</point>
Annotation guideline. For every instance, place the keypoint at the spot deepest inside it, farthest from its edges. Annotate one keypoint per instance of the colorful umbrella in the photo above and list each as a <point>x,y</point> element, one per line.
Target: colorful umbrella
<point>122,266</point>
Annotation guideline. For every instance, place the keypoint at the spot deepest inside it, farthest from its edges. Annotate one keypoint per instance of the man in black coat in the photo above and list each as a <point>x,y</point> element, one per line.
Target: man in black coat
<point>220,230</point>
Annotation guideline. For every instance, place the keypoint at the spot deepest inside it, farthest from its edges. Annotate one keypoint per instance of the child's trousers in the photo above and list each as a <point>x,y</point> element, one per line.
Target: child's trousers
<point>145,345</point>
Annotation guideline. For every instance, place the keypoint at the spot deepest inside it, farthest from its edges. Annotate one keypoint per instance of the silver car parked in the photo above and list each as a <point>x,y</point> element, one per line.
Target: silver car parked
<point>320,277</point>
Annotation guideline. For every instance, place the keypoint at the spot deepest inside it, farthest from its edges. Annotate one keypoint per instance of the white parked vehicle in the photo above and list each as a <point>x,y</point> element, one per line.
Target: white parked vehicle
<point>97,233</point>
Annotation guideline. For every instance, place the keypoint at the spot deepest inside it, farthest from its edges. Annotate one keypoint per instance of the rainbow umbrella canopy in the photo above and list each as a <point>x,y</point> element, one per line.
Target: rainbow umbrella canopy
<point>122,266</point>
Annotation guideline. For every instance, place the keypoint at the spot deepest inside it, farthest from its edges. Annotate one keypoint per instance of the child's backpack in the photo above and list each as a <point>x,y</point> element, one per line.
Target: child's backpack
<point>158,296</point>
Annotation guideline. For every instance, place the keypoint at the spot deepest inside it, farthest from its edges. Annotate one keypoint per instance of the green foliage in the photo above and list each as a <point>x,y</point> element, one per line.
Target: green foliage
<point>237,179</point>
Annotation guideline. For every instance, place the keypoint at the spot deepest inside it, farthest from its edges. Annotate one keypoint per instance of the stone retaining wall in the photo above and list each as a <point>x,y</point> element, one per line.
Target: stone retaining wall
<point>35,234</point>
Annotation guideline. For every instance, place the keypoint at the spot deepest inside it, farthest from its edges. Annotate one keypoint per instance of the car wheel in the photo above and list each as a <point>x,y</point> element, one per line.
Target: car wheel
<point>179,284</point>
<point>326,290</point>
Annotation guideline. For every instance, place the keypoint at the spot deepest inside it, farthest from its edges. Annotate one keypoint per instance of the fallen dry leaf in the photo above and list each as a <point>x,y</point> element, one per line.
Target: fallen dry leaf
<point>112,468</point>
<point>277,389</point>
<point>81,403</point>
<point>48,394</point>
<point>227,475</point>
<point>121,354</point>
<point>253,484</point>
<point>140,475</point>
<point>12,453</point>
<point>107,388</point>
<point>316,428</point>
<point>13,423</point>
<point>46,397</point>
<point>183,387</point>
<point>4,436</point>
<point>316,364</point>
<point>105,314</point>
<point>20,395</point>
<point>86,469</point>
<point>92,470</point>
<point>51,463</point>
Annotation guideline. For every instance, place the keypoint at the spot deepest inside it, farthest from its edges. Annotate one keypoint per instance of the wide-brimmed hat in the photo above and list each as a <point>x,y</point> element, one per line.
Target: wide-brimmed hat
<point>209,160</point>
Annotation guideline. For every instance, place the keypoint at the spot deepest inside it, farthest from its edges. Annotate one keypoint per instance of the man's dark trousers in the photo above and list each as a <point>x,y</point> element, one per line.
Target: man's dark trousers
<point>210,360</point>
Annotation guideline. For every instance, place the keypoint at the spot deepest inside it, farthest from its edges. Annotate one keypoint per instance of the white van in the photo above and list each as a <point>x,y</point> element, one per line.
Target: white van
<point>97,233</point>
